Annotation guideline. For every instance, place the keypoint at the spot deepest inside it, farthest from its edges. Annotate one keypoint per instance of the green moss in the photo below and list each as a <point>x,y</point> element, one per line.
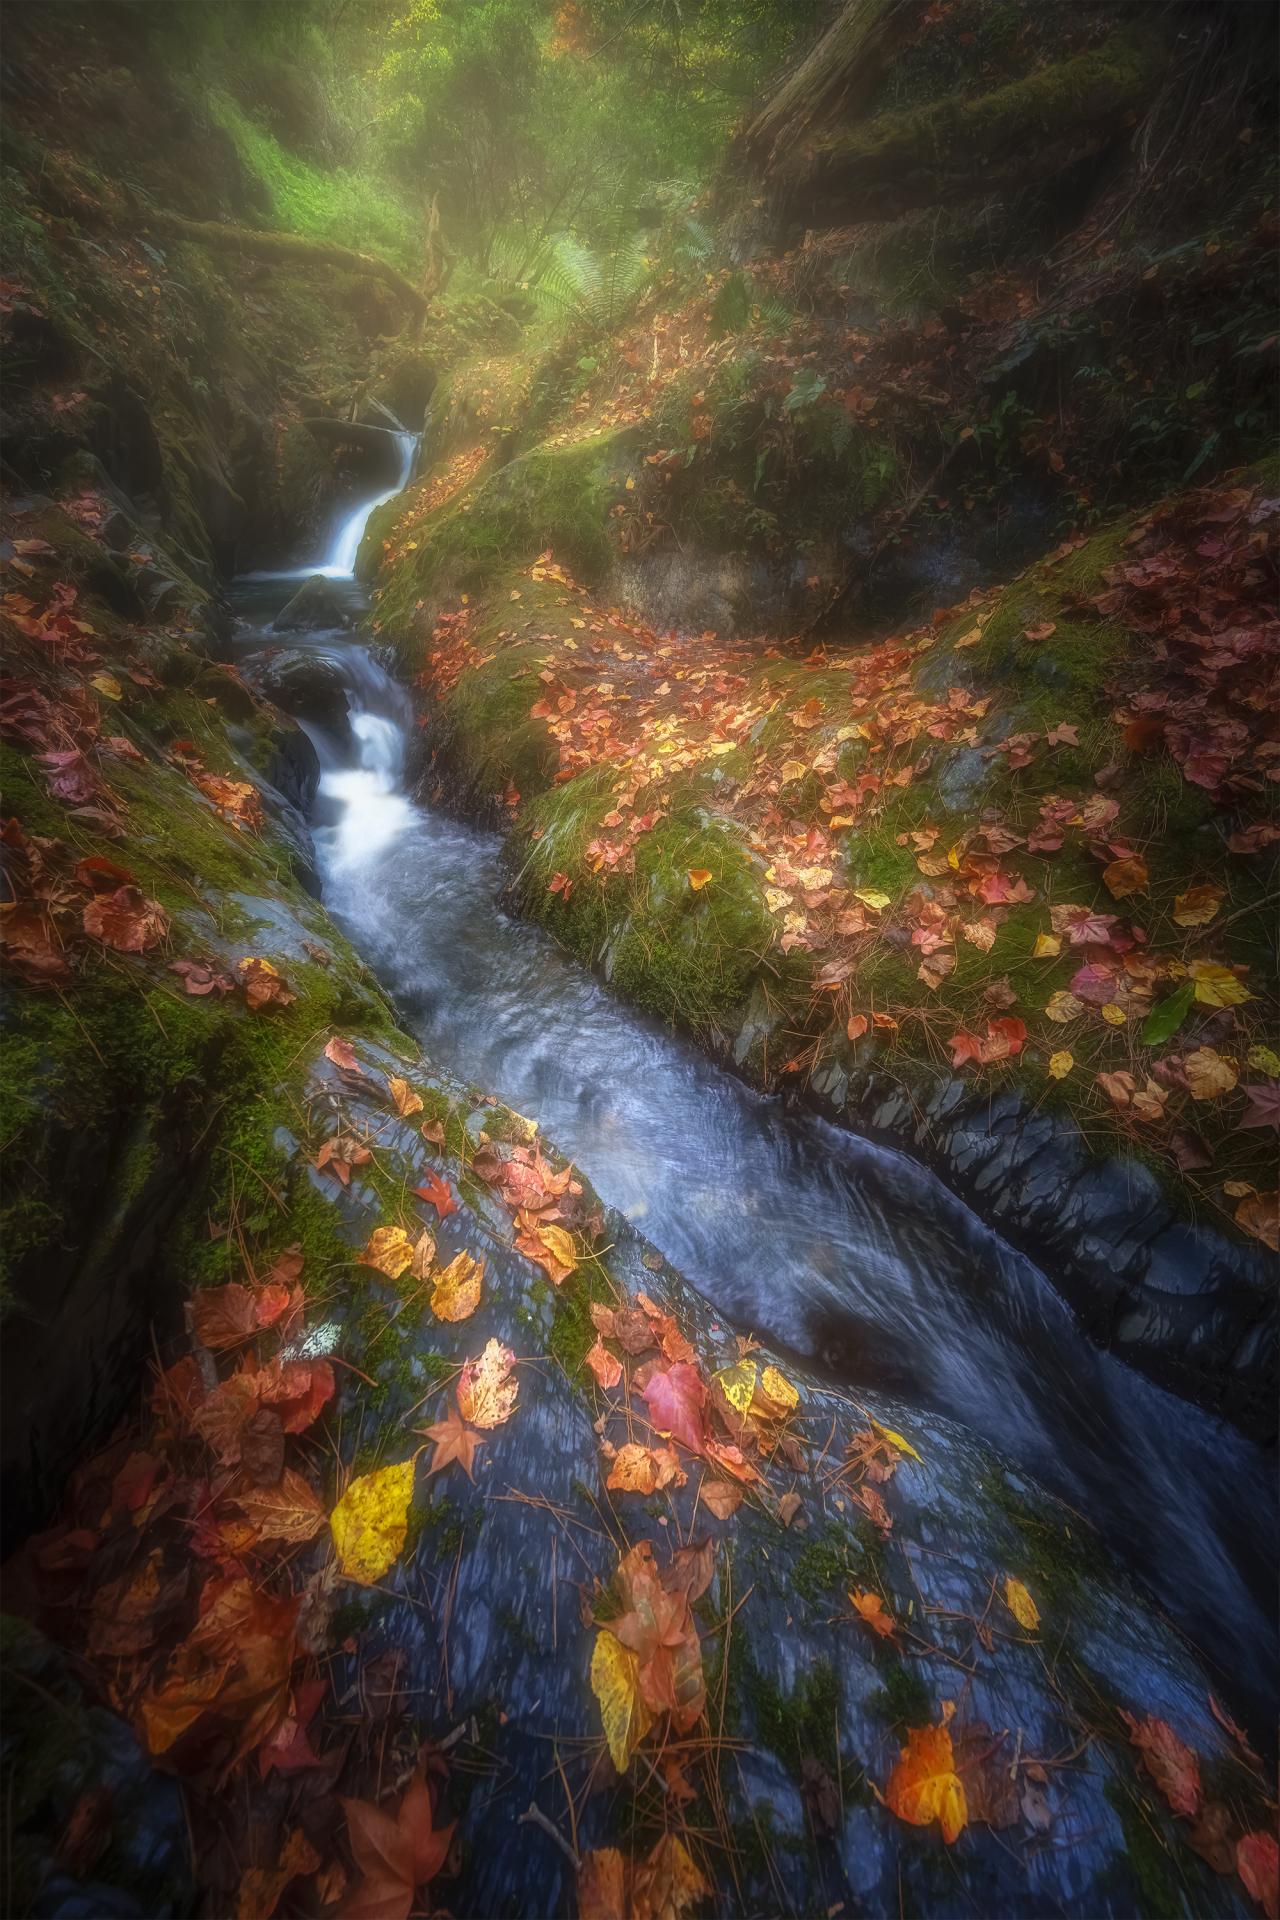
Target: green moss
<point>839,1554</point>
<point>796,1726</point>
<point>573,1332</point>
<point>902,1697</point>
<point>1147,1864</point>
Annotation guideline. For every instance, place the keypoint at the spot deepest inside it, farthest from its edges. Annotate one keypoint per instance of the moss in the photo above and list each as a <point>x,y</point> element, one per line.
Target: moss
<point>1053,1556</point>
<point>797,1726</point>
<point>573,1332</point>
<point>838,1554</point>
<point>1147,1864</point>
<point>902,1697</point>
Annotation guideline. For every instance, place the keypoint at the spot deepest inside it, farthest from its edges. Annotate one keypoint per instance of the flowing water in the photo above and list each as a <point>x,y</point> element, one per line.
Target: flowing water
<point>849,1255</point>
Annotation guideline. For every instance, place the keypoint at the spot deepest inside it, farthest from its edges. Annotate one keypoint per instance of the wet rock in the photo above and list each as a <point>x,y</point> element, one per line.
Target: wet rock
<point>317,607</point>
<point>307,685</point>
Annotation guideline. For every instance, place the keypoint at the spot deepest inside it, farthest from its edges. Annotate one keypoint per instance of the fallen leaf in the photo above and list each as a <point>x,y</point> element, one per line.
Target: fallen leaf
<point>342,1054</point>
<point>403,1097</point>
<point>1208,1074</point>
<point>1123,877</point>
<point>1021,1605</point>
<point>675,1399</point>
<point>1259,1216</point>
<point>638,1469</point>
<point>264,985</point>
<point>872,1609</point>
<point>454,1440</point>
<point>456,1292</point>
<point>606,1369</point>
<point>390,1250</point>
<point>1047,946</point>
<point>1217,986</point>
<point>1258,1864</point>
<point>436,1192</point>
<point>615,1681</point>
<point>1060,1064</point>
<point>292,1511</point>
<point>924,1785</point>
<point>1169,1761</point>
<point>125,921</point>
<point>698,877</point>
<point>1213,1837</point>
<point>370,1521</point>
<point>722,1497</point>
<point>486,1394</point>
<point>395,1856</point>
<point>261,1888</point>
<point>1198,905</point>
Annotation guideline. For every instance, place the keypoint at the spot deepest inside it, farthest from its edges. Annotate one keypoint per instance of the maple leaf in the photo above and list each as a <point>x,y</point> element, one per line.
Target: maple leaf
<point>436,1192</point>
<point>264,985</point>
<point>454,1440</point>
<point>395,1856</point>
<point>486,1393</point>
<point>1126,876</point>
<point>638,1469</point>
<point>924,1785</point>
<point>226,1688</point>
<point>370,1521</point>
<point>125,920</point>
<point>1170,1762</point>
<point>675,1399</point>
<point>390,1250</point>
<point>1208,1075</point>
<point>339,1155</point>
<point>223,1317</point>
<point>657,1626</point>
<point>873,1611</point>
<point>1082,926</point>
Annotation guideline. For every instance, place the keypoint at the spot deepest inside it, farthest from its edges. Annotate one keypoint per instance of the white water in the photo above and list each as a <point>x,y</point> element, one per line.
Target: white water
<point>339,559</point>
<point>340,562</point>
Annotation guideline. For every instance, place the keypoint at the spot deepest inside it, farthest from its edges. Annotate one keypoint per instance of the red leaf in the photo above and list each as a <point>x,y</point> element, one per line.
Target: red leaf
<point>1170,1762</point>
<point>675,1398</point>
<point>437,1194</point>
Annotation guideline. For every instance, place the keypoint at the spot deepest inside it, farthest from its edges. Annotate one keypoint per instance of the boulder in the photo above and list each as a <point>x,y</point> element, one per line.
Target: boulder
<point>306,685</point>
<point>317,607</point>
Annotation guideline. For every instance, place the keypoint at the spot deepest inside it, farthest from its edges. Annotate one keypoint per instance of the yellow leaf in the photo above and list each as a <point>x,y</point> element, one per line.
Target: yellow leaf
<point>559,1244</point>
<point>1197,906</point>
<point>1264,1060</point>
<point>615,1681</point>
<point>1063,1006</point>
<point>871,898</point>
<point>895,1439</point>
<point>779,1389</point>
<point>390,1250</point>
<point>456,1292</point>
<point>406,1100</point>
<point>1021,1605</point>
<point>1115,1016</point>
<point>698,877</point>
<point>107,685</point>
<point>924,1786</point>
<point>1060,1064</point>
<point>370,1520</point>
<point>1217,986</point>
<point>792,770</point>
<point>738,1384</point>
<point>1046,947</point>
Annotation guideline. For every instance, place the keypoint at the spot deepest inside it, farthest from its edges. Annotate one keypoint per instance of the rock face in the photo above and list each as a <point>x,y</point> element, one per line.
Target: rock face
<point>317,607</point>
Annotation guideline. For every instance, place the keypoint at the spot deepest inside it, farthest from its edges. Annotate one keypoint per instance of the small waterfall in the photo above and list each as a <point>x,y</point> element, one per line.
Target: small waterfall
<point>340,562</point>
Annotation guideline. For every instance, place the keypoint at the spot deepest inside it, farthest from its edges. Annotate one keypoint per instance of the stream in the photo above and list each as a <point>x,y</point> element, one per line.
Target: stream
<point>848,1255</point>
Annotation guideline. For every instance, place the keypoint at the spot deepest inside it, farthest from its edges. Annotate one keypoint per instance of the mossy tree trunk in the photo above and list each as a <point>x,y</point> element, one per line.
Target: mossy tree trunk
<point>288,249</point>
<point>834,164</point>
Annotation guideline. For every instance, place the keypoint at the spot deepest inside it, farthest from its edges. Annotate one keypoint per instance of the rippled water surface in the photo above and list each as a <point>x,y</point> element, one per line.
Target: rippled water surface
<point>846,1253</point>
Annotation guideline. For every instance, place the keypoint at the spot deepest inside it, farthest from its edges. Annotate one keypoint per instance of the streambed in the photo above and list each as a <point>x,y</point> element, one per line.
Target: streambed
<point>848,1255</point>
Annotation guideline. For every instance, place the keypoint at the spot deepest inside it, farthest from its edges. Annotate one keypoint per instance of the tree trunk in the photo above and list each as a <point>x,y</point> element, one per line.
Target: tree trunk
<point>287,248</point>
<point>833,79</point>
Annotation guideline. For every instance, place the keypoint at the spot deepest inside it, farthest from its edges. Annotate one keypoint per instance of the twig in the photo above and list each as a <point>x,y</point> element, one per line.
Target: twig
<point>535,1817</point>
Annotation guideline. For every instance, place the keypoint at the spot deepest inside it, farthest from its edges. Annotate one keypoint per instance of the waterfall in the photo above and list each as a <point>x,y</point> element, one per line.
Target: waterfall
<point>340,562</point>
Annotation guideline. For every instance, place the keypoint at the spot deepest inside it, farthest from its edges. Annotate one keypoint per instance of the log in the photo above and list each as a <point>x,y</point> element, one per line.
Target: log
<point>290,249</point>
<point>834,78</point>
